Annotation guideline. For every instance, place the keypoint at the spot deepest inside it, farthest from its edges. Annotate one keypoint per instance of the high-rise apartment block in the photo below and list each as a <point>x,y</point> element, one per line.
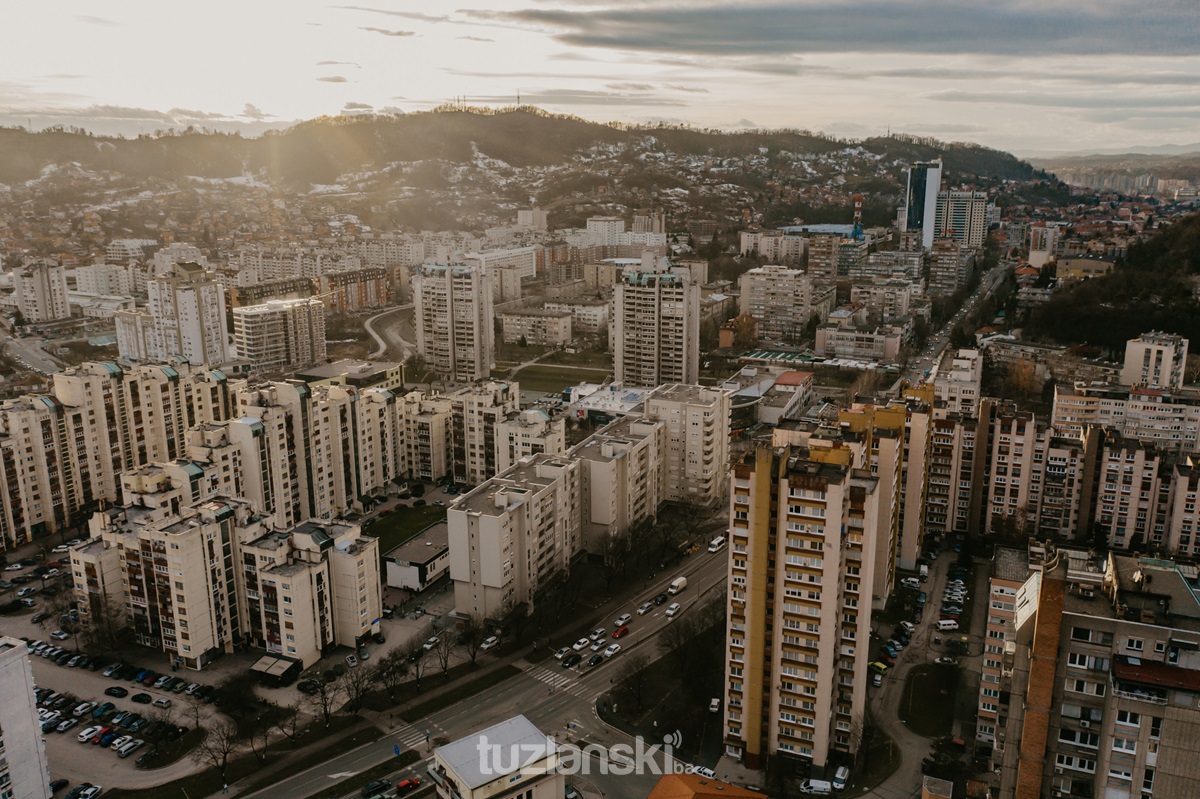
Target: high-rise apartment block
<point>524,434</point>
<point>475,410</point>
<point>949,268</point>
<point>783,300</point>
<point>824,257</point>
<point>697,451</point>
<point>455,333</point>
<point>886,299</point>
<point>280,335</point>
<point>958,380</point>
<point>1155,360</point>
<point>41,292</point>
<point>655,326</point>
<point>23,769</point>
<point>919,210</point>
<point>962,216</point>
<point>184,318</point>
<point>1169,419</point>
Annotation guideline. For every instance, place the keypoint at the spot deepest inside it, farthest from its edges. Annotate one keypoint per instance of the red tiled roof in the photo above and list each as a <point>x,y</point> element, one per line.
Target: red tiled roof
<point>693,786</point>
<point>793,378</point>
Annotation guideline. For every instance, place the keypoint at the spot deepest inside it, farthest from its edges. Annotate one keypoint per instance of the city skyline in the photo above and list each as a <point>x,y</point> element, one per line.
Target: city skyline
<point>1027,79</point>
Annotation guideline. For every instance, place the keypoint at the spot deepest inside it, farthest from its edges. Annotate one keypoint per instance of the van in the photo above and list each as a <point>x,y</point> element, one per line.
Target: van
<point>923,573</point>
<point>946,625</point>
<point>816,788</point>
<point>677,585</point>
<point>840,778</point>
<point>717,544</point>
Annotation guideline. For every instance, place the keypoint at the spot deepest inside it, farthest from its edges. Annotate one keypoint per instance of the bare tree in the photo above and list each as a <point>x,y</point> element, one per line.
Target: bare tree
<point>324,699</point>
<point>105,625</point>
<point>390,671</point>
<point>632,677</point>
<point>355,685</point>
<point>288,721</point>
<point>258,733</point>
<point>221,741</point>
<point>470,636</point>
<point>616,556</point>
<point>444,650</point>
<point>675,636</point>
<point>414,652</point>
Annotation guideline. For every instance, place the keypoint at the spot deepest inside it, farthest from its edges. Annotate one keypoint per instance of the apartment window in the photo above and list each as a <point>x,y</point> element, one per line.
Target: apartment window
<point>1124,745</point>
<point>1134,644</point>
<point>1128,717</point>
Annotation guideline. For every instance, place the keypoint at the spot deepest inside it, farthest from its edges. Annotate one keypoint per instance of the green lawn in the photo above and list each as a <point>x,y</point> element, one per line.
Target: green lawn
<point>402,524</point>
<point>592,358</point>
<point>540,377</point>
<point>927,706</point>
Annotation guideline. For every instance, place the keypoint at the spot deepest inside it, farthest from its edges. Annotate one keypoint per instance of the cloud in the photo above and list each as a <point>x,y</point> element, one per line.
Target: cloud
<point>692,89</point>
<point>332,79</point>
<point>64,76</point>
<point>358,107</point>
<point>762,27</point>
<point>629,87</point>
<point>476,39</point>
<point>387,32</point>
<point>584,97</point>
<point>1055,100</point>
<point>89,19</point>
<point>415,15</point>
<point>338,64</point>
<point>252,111</point>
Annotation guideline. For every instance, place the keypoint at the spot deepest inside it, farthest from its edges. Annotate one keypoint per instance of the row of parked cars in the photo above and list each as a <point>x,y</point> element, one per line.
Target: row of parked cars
<point>166,683</point>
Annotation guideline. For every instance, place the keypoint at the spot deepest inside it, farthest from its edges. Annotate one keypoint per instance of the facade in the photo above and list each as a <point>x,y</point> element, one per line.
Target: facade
<point>796,671</point>
<point>539,327</point>
<point>697,451</point>
<point>1168,419</point>
<point>1155,360</point>
<point>428,438</point>
<point>41,292</point>
<point>948,267</point>
<point>887,300</point>
<point>280,335</point>
<point>783,301</point>
<point>355,289</point>
<point>919,211</point>
<point>824,257</point>
<point>24,773</point>
<point>859,342</point>
<point>455,333</point>
<point>588,315</point>
<point>655,326</point>
<point>521,763</point>
<point>421,561</point>
<point>184,318</point>
<point>962,216</point>
<point>475,413</point>
<point>776,246</point>
<point>957,381</point>
<point>524,434</point>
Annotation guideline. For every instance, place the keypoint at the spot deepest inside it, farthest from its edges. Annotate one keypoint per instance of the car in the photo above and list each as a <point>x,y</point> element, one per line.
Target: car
<point>378,638</point>
<point>100,711</point>
<point>922,598</point>
<point>946,661</point>
<point>491,642</point>
<point>162,701</point>
<point>420,503</point>
<point>66,724</point>
<point>582,643</point>
<point>28,602</point>
<point>352,661</point>
<point>37,618</point>
<point>14,567</point>
<point>59,635</point>
<point>439,504</point>
<point>877,680</point>
<point>375,788</point>
<point>119,741</point>
<point>894,644</point>
<point>672,609</point>
<point>597,634</point>
<point>714,705</point>
<point>151,678</point>
<point>58,785</point>
<point>26,591</point>
<point>91,792</point>
<point>141,699</point>
<point>910,582</point>
<point>645,608</point>
<point>612,650</point>
<point>704,771</point>
<point>621,631</point>
<point>404,786</point>
<point>78,790</point>
<point>110,671</point>
<point>82,708</point>
<point>117,691</point>
<point>48,725</point>
<point>146,758</point>
<point>572,660</point>
<point>308,687</point>
<point>88,732</point>
<point>622,620</point>
<point>431,643</point>
<point>133,722</point>
<point>99,734</point>
<point>595,660</point>
<point>598,645</point>
<point>64,657</point>
<point>562,653</point>
<point>119,718</point>
<point>163,681</point>
<point>877,667</point>
<point>131,747</point>
<point>661,599</point>
<point>191,688</point>
<point>179,687</point>
<point>951,610</point>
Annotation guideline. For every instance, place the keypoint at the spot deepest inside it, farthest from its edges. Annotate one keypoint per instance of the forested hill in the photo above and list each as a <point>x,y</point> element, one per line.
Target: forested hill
<point>1154,288</point>
<point>322,150</point>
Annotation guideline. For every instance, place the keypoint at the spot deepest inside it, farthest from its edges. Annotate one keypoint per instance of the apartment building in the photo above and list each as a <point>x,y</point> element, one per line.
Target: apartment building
<point>777,246</point>
<point>886,299</point>
<point>475,411</point>
<point>802,553</point>
<point>537,326</point>
<point>957,381</point>
<point>428,436</point>
<point>1169,419</point>
<point>1008,572</point>
<point>962,215</point>
<point>486,765</point>
<point>824,255</point>
<point>955,464</point>
<point>40,291</point>
<point>108,280</point>
<point>697,451</point>
<point>355,289</point>
<point>24,773</point>
<point>523,434</point>
<point>506,269</point>
<point>455,333</point>
<point>184,318</point>
<point>844,339</point>
<point>1155,360</point>
<point>588,315</point>
<point>623,479</point>
<point>918,213</point>
<point>288,288</point>
<point>890,263</point>
<point>949,267</point>
<point>783,301</point>
<point>513,536</point>
<point>655,326</point>
<point>1104,695</point>
<point>280,335</point>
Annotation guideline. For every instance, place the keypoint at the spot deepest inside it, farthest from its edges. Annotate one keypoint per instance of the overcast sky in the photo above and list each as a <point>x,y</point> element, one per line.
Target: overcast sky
<point>1021,75</point>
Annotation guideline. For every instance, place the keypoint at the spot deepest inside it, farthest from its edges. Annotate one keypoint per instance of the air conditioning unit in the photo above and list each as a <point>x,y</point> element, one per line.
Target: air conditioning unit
<point>1058,769</point>
<point>1085,723</point>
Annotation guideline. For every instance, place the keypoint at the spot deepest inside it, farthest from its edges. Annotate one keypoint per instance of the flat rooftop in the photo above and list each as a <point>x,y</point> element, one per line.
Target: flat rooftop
<point>1011,564</point>
<point>424,546</point>
<point>518,734</point>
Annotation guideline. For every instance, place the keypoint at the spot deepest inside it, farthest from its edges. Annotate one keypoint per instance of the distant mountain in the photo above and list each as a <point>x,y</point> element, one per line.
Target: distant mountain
<point>1163,149</point>
<point>323,150</point>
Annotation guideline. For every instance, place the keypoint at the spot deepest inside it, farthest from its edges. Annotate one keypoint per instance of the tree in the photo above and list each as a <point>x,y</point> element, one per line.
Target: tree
<point>104,626</point>
<point>324,699</point>
<point>287,720</point>
<point>632,677</point>
<point>444,650</point>
<point>616,556</point>
<point>355,684</point>
<point>745,331</point>
<point>258,734</point>
<point>215,749</point>
<point>390,671</point>
<point>470,637</point>
<point>414,654</point>
<point>236,693</point>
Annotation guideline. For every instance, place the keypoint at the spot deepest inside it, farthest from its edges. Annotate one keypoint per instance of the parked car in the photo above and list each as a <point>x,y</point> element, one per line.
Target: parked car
<point>116,691</point>
<point>82,708</point>
<point>141,699</point>
<point>404,786</point>
<point>87,733</point>
<point>352,661</point>
<point>66,724</point>
<point>58,785</point>
<point>491,642</point>
<point>130,747</point>
<point>146,758</point>
<point>431,643</point>
<point>909,626</point>
<point>877,667</point>
<point>946,661</point>
<point>162,701</point>
<point>375,788</point>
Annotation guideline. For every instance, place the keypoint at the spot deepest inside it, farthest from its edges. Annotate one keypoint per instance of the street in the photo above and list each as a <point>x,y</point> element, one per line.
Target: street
<point>28,352</point>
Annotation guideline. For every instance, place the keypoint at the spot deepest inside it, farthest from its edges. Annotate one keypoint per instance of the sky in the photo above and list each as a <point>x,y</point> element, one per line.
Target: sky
<point>1028,76</point>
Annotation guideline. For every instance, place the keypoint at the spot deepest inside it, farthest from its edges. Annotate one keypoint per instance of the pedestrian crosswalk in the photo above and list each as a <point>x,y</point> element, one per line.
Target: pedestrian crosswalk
<point>560,680</point>
<point>410,737</point>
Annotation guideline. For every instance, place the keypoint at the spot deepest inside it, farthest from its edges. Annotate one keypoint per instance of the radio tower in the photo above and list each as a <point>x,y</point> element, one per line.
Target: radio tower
<point>858,231</point>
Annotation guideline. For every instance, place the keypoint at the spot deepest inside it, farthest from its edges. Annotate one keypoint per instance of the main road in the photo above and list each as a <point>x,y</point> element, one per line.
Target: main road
<point>561,702</point>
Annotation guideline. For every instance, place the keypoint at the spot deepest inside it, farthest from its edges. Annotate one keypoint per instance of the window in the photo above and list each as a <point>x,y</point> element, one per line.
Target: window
<point>1134,644</point>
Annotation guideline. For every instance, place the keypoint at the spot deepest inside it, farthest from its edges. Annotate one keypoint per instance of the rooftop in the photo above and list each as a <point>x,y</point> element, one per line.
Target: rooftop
<point>424,546</point>
<point>694,786</point>
<point>1010,564</point>
<point>463,756</point>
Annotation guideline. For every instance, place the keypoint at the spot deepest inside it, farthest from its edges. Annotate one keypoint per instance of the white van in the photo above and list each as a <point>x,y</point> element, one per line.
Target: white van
<point>717,544</point>
<point>677,585</point>
<point>816,788</point>
<point>946,625</point>
<point>840,778</point>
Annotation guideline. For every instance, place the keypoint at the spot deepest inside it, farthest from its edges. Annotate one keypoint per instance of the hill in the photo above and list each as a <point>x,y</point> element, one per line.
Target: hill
<point>1152,289</point>
<point>322,150</point>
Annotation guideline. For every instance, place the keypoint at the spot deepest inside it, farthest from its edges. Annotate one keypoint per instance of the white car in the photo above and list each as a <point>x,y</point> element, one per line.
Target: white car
<point>581,644</point>
<point>908,625</point>
<point>612,650</point>
<point>119,742</point>
<point>162,701</point>
<point>622,620</point>
<point>911,582</point>
<point>598,633</point>
<point>704,771</point>
<point>91,793</point>
<point>59,635</point>
<point>60,549</point>
<point>714,705</point>
<point>430,644</point>
<point>491,642</point>
<point>87,734</point>
<point>672,608</point>
<point>562,653</point>
<point>597,645</point>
